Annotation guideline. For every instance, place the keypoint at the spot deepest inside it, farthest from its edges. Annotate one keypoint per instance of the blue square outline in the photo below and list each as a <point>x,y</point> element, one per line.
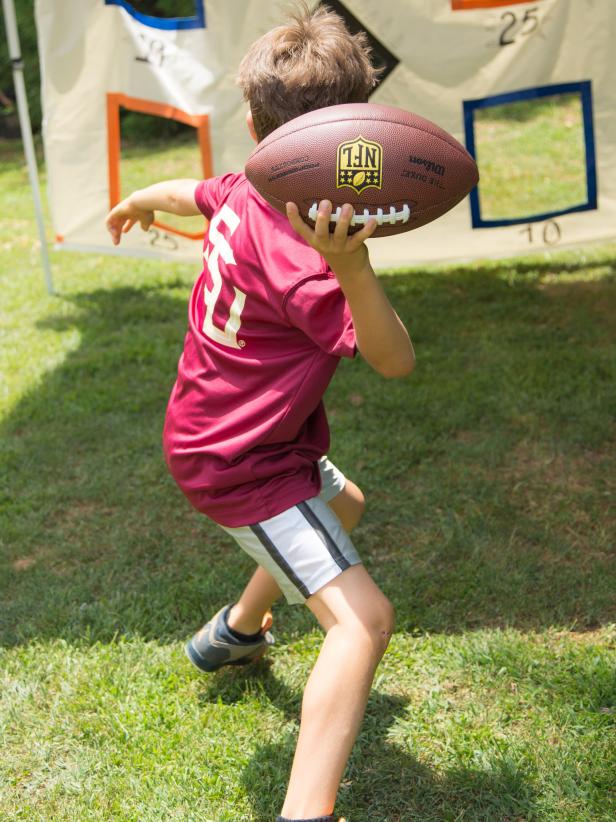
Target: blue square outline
<point>197,21</point>
<point>584,89</point>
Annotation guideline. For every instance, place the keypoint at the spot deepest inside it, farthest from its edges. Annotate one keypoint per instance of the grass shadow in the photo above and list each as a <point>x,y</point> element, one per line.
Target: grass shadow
<point>490,471</point>
<point>385,779</point>
<point>97,540</point>
<point>492,772</point>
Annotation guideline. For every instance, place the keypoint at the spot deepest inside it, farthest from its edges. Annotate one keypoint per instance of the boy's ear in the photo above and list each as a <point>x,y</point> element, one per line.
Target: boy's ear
<point>251,126</point>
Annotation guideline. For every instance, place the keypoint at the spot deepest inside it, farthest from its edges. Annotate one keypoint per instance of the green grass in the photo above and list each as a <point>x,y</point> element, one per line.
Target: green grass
<point>531,157</point>
<point>176,158</point>
<point>490,476</point>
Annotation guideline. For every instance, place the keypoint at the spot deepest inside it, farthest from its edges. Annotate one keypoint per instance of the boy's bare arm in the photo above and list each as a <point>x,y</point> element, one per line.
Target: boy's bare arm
<point>382,338</point>
<point>171,196</point>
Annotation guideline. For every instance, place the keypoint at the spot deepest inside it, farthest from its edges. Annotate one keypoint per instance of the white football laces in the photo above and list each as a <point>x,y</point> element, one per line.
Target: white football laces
<point>382,217</point>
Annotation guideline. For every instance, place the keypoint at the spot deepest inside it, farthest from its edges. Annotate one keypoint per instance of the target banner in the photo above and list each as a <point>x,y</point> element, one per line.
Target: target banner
<point>528,87</point>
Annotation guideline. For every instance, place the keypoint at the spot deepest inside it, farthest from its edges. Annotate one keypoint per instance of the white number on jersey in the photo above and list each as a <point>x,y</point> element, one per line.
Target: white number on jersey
<point>218,248</point>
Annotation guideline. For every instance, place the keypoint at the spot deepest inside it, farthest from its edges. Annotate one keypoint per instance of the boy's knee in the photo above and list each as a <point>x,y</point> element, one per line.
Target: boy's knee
<point>386,622</point>
<point>355,605</point>
<point>378,623</point>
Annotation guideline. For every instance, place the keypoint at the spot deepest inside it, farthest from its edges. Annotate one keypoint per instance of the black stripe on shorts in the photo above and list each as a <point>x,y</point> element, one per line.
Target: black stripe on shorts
<point>280,561</point>
<point>329,542</point>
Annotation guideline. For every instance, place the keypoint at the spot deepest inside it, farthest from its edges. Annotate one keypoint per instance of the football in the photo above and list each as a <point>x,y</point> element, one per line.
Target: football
<point>388,163</point>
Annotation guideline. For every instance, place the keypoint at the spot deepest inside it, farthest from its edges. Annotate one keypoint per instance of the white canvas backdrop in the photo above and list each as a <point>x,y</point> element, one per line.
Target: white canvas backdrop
<point>447,57</point>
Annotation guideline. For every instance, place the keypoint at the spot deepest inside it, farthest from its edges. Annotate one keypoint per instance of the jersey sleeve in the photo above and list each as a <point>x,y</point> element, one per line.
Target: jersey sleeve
<point>211,193</point>
<point>318,307</point>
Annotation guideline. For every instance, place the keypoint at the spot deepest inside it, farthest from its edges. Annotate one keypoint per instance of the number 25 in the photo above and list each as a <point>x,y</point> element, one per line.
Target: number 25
<point>530,16</point>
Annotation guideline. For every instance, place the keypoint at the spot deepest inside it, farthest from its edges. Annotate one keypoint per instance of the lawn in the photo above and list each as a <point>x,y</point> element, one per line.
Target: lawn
<point>490,476</point>
<point>531,156</point>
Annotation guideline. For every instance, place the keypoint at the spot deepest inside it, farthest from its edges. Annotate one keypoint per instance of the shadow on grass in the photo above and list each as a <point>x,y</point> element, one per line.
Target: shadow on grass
<point>525,111</point>
<point>382,781</point>
<point>97,538</point>
<point>489,469</point>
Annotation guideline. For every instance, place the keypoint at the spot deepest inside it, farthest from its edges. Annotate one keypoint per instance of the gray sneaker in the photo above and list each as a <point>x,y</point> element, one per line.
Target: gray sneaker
<point>214,646</point>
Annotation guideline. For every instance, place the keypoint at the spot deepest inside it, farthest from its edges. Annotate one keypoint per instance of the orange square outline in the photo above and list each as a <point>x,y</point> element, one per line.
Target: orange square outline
<point>467,5</point>
<point>201,122</point>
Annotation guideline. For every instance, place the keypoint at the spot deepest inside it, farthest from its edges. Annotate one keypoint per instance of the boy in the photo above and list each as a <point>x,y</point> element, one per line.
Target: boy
<point>276,307</point>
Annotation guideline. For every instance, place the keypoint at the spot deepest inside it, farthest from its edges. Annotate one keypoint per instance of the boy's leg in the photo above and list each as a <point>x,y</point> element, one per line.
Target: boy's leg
<point>348,506</point>
<point>247,622</point>
<point>248,614</point>
<point>358,620</point>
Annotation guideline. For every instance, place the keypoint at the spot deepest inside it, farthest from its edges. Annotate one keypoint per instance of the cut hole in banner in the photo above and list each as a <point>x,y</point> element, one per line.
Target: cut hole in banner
<point>176,164</point>
<point>535,152</point>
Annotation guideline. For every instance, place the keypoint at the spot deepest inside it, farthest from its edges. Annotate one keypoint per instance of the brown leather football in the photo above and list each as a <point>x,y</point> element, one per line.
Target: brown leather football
<point>388,163</point>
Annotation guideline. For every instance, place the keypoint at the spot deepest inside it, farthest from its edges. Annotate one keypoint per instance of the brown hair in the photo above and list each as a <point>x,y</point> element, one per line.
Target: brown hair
<point>311,62</point>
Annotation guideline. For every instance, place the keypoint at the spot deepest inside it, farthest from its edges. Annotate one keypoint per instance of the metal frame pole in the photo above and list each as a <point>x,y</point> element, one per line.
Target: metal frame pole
<point>12,36</point>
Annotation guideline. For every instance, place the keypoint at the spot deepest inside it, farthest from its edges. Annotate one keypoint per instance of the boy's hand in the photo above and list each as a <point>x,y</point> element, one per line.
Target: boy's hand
<point>381,337</point>
<point>123,217</point>
<point>344,252</point>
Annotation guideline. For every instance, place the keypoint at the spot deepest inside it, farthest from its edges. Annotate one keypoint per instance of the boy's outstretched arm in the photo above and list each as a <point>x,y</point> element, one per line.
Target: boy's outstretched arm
<point>382,339</point>
<point>171,196</point>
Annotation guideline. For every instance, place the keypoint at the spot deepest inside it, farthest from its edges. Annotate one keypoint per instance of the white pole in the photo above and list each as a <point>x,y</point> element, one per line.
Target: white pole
<point>26,130</point>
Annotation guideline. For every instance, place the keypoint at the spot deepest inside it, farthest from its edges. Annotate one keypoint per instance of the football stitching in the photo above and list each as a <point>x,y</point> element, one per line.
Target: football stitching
<point>440,204</point>
<point>383,217</point>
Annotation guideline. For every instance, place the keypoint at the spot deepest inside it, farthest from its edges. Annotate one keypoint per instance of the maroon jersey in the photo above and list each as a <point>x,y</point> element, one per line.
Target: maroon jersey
<point>267,326</point>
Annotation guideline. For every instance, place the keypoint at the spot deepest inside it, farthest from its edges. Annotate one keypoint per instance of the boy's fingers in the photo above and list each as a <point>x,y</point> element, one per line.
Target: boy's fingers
<point>366,232</point>
<point>344,221</point>
<point>114,230</point>
<point>321,228</point>
<point>297,223</point>
<point>127,226</point>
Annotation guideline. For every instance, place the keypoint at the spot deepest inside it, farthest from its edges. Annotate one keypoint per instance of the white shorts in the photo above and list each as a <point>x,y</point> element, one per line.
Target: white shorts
<point>306,546</point>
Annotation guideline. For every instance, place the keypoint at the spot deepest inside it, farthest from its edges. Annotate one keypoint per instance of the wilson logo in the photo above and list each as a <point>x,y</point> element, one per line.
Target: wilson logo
<point>359,165</point>
<point>435,168</point>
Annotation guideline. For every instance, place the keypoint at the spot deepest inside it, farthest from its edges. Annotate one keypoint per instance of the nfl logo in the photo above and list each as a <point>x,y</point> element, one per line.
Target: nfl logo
<point>359,165</point>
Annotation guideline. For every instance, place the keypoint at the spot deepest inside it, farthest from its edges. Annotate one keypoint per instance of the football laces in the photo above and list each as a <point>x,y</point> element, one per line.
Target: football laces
<point>381,216</point>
